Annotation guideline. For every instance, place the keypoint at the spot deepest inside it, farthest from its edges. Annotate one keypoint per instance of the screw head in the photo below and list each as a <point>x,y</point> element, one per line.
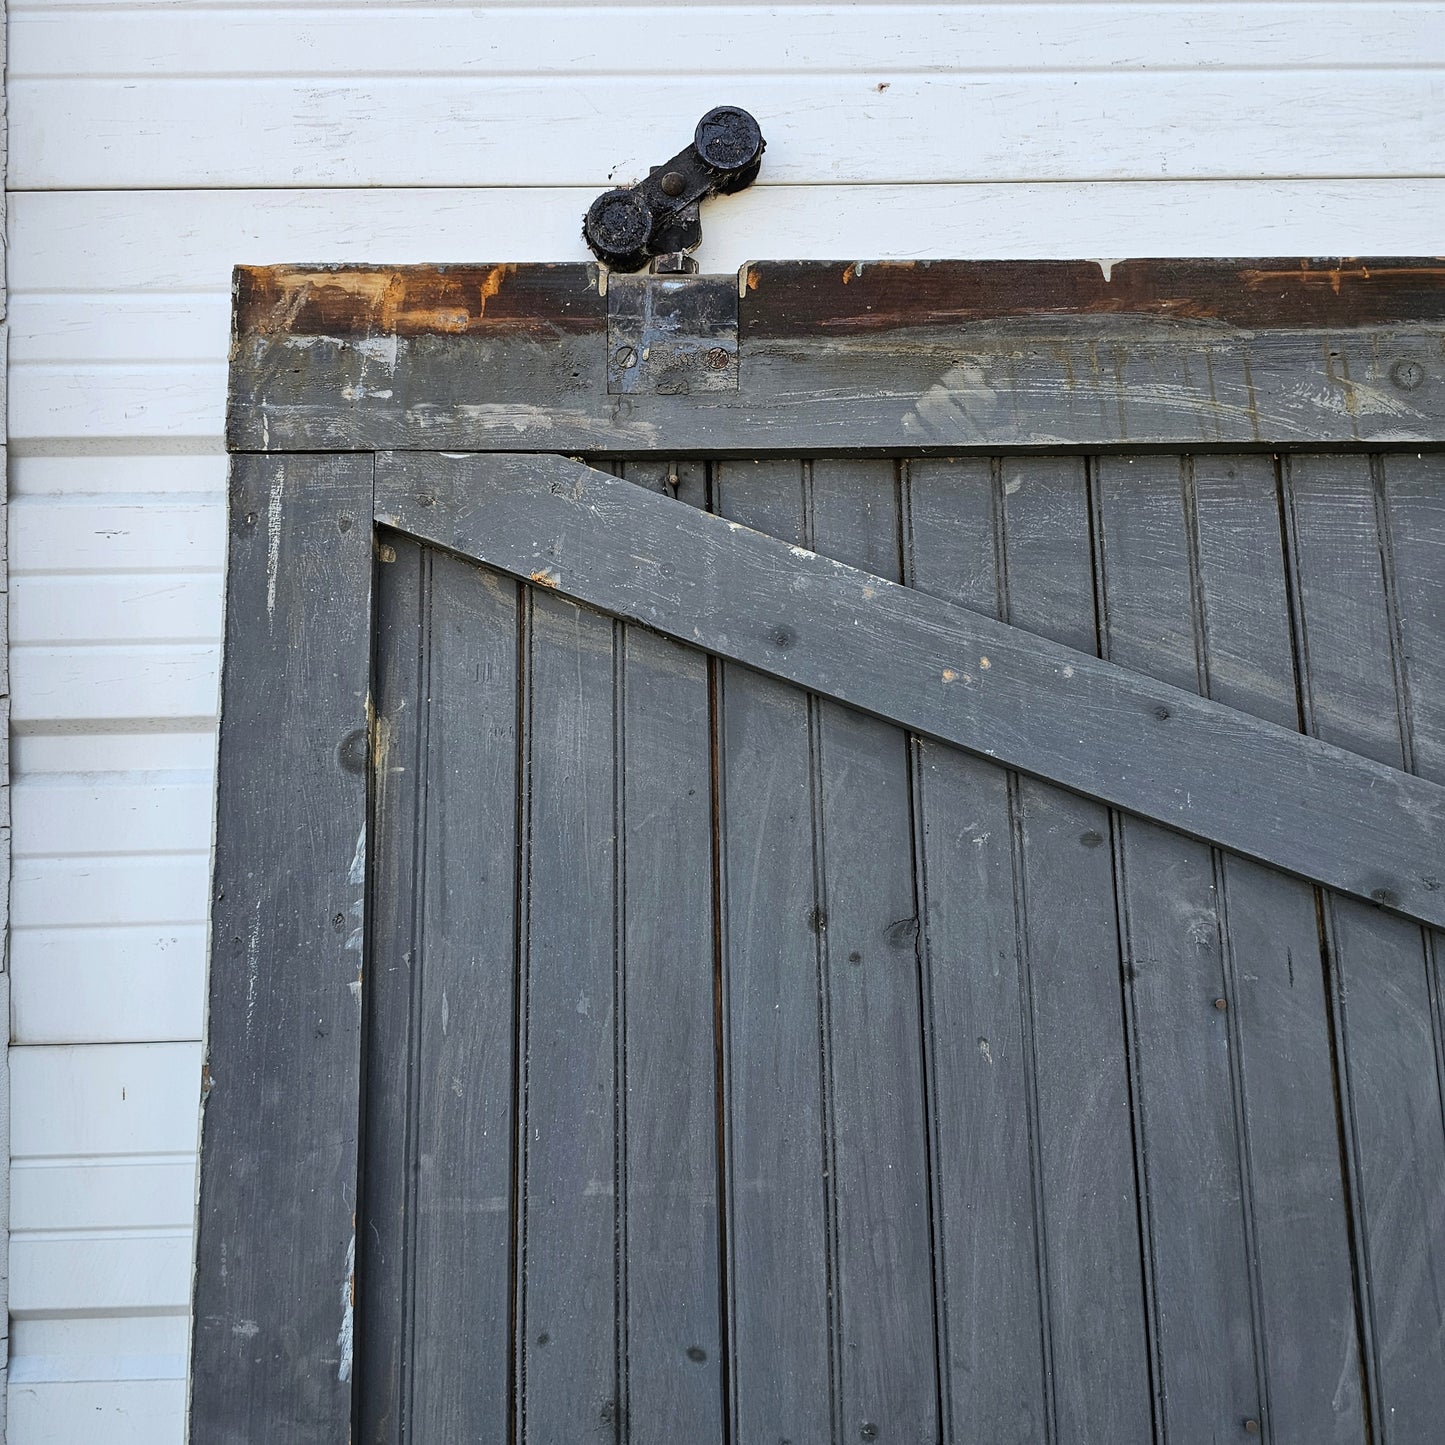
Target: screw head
<point>624,357</point>
<point>1251,1427</point>
<point>672,184</point>
<point>717,358</point>
<point>1407,375</point>
<point>1221,1004</point>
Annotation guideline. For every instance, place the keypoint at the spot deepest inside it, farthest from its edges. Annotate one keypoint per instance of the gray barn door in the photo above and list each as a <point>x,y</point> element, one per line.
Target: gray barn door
<point>898,901</point>
<point>747,1061</point>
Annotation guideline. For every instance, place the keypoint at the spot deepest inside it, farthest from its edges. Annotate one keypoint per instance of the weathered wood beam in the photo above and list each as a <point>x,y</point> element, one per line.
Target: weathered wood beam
<point>848,358</point>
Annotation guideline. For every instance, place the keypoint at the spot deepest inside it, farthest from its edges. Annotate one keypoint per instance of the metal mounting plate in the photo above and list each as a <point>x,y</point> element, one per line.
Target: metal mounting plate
<point>672,335</point>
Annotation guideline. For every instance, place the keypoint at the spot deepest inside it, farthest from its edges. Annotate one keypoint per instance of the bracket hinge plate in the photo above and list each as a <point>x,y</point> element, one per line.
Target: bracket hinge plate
<point>671,335</point>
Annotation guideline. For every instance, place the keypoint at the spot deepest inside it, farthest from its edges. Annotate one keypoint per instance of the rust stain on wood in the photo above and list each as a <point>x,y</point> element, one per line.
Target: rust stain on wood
<point>360,301</point>
<point>835,298</point>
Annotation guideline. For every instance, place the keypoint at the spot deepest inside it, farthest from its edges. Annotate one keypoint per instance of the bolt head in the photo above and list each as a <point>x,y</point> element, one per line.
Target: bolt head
<point>672,184</point>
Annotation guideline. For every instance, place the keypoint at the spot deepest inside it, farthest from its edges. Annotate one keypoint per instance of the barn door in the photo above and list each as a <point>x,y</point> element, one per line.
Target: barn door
<point>939,944</point>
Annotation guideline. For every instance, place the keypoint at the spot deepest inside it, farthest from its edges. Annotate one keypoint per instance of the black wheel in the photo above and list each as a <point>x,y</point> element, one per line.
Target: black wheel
<point>618,227</point>
<point>730,141</point>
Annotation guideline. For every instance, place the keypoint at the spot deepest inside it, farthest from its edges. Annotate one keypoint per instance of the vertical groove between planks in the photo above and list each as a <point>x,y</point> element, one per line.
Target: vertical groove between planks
<point>825,1023</point>
<point>923,962</point>
<point>622,1416</point>
<point>416,936</point>
<point>722,1147</point>
<point>516,1394</point>
<point>526,754</point>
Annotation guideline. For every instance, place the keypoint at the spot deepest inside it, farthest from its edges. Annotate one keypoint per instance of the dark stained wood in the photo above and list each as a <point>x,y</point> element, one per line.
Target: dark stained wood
<point>854,357</point>
<point>435,1301</point>
<point>781,1264</point>
<point>868,948</point>
<point>370,301</point>
<point>272,1351</point>
<point>673,1348</point>
<point>1144,746</point>
<point>1280,1033</point>
<point>568,1279</point>
<point>1362,690</point>
<point>1037,1240</point>
<point>1172,932</point>
<point>795,298</point>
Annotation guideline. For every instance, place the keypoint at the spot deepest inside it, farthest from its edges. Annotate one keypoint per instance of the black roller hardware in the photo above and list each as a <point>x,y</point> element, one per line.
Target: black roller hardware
<point>658,216</point>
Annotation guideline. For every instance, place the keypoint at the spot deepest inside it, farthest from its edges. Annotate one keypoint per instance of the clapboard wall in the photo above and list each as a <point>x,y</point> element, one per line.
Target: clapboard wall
<point>153,145</point>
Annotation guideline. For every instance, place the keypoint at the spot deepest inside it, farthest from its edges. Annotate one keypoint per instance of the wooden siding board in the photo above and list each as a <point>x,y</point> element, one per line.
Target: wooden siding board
<point>1037,1235</point>
<point>568,1273</point>
<point>1088,1198</point>
<point>868,943</point>
<point>674,1361</point>
<point>1281,1034</point>
<point>781,1262</point>
<point>1172,924</point>
<point>113,132</point>
<point>1195,766</point>
<point>177,248</point>
<point>440,1032</point>
<point>716,40</point>
<point>1383,971</point>
<point>272,1347</point>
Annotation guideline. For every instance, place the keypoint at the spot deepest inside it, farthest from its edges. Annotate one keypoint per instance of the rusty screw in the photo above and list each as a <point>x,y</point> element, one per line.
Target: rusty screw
<point>717,358</point>
<point>1221,1004</point>
<point>672,184</point>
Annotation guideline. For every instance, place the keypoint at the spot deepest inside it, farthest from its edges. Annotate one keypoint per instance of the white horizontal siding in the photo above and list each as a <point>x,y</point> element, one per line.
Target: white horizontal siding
<point>156,145</point>
<point>530,131</point>
<point>707,41</point>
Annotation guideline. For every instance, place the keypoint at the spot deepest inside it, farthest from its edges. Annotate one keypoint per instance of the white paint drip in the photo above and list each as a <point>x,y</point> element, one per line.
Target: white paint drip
<point>253,968</point>
<point>273,540</point>
<point>343,1336</point>
<point>1107,267</point>
<point>356,939</point>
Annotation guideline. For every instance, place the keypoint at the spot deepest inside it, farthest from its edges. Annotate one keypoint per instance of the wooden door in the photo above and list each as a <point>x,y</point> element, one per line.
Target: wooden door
<point>742,942</point>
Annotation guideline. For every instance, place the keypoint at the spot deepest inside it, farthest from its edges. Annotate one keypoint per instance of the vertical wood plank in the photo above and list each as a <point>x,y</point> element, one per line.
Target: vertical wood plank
<point>1203,1291</point>
<point>1278,1009</point>
<point>438,1156</point>
<point>399,791</point>
<point>272,1350</point>
<point>1357,682</point>
<point>568,1127</point>
<point>673,1346</point>
<point>779,1206</point>
<point>1038,1245</point>
<point>1089,1206</point>
<point>869,968</point>
<point>987,1238</point>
